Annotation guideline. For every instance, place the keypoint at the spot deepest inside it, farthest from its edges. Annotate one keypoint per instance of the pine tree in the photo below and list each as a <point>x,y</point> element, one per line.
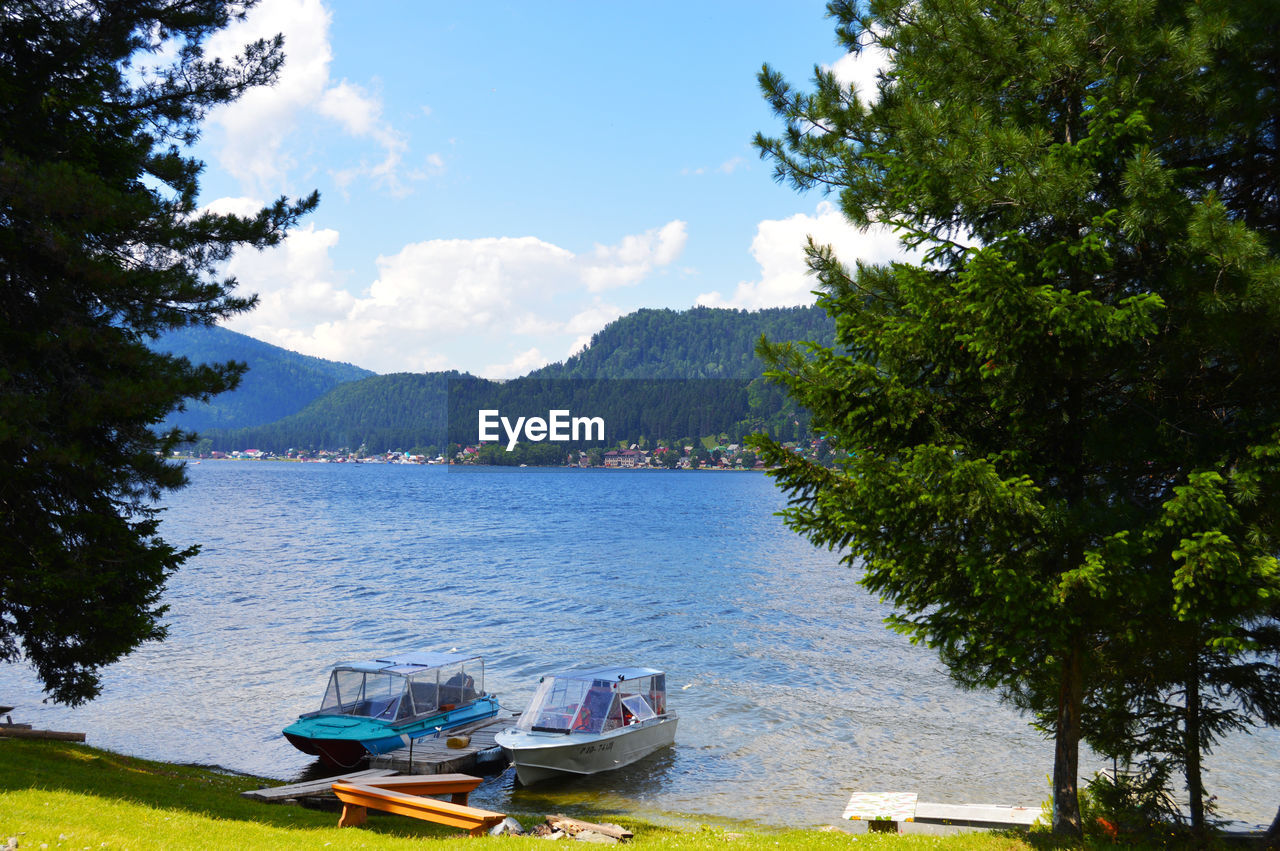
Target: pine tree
<point>102,248</point>
<point>1060,423</point>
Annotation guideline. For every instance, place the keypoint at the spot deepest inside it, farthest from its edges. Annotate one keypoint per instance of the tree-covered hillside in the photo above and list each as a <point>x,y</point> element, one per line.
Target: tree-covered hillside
<point>703,342</point>
<point>381,412</point>
<point>628,375</point>
<point>279,382</point>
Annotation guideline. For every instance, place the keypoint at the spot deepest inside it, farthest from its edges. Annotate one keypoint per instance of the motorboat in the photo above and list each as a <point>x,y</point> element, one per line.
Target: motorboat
<point>588,721</point>
<point>378,706</point>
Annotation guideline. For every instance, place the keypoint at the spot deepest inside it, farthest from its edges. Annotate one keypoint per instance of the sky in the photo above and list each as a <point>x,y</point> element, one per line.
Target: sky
<point>500,181</point>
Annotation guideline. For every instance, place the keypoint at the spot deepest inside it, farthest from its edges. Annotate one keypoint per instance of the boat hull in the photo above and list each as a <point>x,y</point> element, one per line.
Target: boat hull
<point>540,756</point>
<point>343,741</point>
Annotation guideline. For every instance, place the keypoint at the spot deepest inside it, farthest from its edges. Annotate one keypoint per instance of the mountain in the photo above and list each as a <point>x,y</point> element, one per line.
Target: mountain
<point>383,412</point>
<point>704,342</point>
<point>626,375</point>
<point>279,382</point>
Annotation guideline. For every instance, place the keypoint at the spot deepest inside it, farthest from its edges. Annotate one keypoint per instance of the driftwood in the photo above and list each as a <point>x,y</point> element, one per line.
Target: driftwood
<point>16,732</point>
<point>573,827</point>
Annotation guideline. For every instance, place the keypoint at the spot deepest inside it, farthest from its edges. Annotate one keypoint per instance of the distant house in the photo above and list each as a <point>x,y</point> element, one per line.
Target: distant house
<point>624,458</point>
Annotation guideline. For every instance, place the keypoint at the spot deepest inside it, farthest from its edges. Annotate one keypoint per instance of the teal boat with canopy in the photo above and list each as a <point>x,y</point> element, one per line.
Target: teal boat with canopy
<point>378,706</point>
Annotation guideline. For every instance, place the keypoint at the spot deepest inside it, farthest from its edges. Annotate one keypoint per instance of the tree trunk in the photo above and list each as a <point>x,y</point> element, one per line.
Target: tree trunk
<point>1191,746</point>
<point>1066,756</point>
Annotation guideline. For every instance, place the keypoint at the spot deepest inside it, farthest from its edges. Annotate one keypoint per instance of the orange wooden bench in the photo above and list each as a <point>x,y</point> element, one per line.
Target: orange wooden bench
<point>405,796</point>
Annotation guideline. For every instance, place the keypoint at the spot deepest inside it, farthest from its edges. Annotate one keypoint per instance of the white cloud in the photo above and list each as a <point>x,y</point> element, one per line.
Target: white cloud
<point>433,164</point>
<point>862,70</point>
<point>260,143</point>
<point>298,288</point>
<point>456,285</point>
<point>255,127</point>
<point>360,114</point>
<point>587,322</point>
<point>779,246</point>
<point>442,304</point>
<point>241,206</point>
<point>635,257</point>
<point>592,319</point>
<point>352,107</point>
<point>731,165</point>
<point>522,363</point>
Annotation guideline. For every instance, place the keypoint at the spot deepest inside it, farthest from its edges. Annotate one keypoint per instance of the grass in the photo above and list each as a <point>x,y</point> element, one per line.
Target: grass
<point>60,795</point>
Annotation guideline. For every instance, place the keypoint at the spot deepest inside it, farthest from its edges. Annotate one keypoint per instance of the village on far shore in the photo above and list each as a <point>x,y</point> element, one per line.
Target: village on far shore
<point>703,454</point>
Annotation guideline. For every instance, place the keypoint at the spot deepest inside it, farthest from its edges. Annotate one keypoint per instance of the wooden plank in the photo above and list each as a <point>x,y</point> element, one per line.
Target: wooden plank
<point>976,813</point>
<point>468,729</point>
<point>881,806</point>
<point>447,813</point>
<point>273,794</point>
<point>17,732</point>
<point>458,786</point>
<point>432,755</point>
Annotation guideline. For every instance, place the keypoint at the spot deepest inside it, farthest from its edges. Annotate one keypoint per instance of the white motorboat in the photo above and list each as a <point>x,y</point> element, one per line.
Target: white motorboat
<point>585,722</point>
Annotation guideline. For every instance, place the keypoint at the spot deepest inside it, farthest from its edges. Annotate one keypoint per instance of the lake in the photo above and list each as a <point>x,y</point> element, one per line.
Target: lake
<point>790,691</point>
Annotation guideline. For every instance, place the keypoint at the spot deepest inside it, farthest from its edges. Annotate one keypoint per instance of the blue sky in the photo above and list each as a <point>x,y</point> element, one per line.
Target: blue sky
<point>500,181</point>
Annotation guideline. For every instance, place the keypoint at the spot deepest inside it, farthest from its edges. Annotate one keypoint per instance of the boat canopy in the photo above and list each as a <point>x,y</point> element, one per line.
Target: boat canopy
<point>595,701</point>
<point>397,690</point>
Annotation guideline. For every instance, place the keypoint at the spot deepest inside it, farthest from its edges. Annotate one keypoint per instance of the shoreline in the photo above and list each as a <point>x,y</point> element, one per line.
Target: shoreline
<point>63,793</point>
<point>188,459</point>
<point>92,773</point>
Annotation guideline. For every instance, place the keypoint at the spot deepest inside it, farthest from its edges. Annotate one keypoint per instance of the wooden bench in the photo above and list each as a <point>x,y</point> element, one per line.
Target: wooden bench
<point>406,796</point>
<point>458,786</point>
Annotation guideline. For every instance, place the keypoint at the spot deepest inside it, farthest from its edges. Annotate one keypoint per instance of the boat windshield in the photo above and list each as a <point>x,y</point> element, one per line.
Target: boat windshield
<point>401,692</point>
<point>567,704</point>
<point>364,694</point>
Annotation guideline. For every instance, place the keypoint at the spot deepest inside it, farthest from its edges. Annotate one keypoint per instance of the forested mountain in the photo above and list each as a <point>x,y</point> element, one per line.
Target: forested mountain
<point>279,382</point>
<point>704,342</point>
<point>628,376</point>
<point>383,412</point>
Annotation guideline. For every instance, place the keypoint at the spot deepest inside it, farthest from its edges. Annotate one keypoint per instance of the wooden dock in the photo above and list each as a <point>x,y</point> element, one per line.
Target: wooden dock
<point>902,812</point>
<point>322,788</point>
<point>432,755</point>
<point>8,729</point>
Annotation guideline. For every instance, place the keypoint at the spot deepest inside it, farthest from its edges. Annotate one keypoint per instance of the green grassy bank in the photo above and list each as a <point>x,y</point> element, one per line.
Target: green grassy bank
<point>60,795</point>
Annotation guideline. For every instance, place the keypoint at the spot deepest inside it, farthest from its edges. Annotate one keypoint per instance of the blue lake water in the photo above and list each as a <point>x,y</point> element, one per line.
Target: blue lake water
<point>790,691</point>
